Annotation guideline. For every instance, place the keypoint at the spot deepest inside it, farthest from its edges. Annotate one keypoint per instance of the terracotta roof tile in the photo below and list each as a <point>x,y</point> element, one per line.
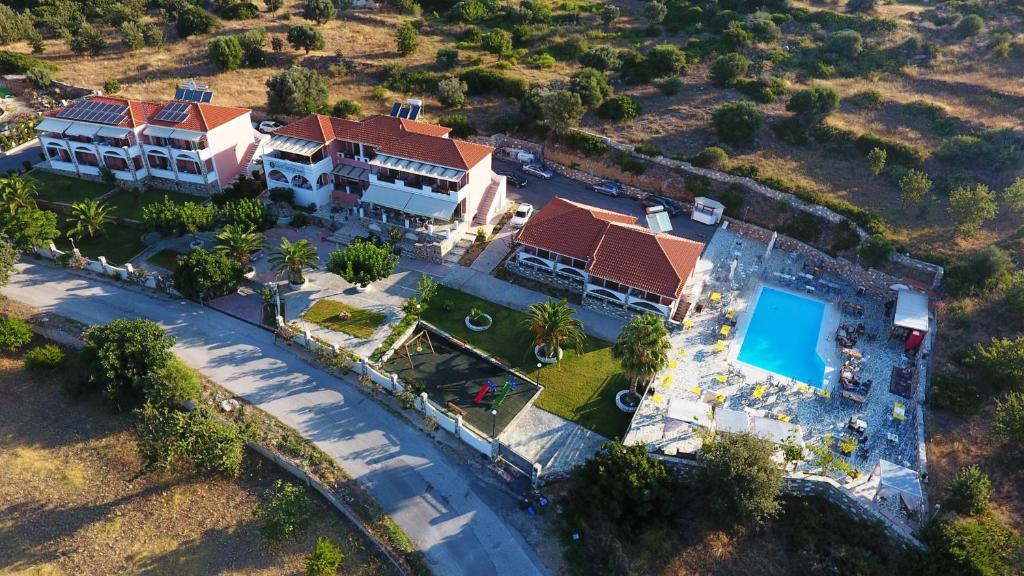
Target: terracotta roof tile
<point>201,117</point>
<point>614,247</point>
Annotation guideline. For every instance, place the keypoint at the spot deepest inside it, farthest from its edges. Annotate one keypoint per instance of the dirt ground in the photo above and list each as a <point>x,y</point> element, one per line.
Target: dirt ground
<point>70,501</point>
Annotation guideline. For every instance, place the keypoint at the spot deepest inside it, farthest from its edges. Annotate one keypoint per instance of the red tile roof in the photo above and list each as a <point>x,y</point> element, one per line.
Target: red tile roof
<point>389,135</point>
<point>614,247</point>
<point>201,117</point>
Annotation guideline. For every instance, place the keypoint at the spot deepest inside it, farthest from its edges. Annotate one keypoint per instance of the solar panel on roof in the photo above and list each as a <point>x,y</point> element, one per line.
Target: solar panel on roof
<point>415,112</point>
<point>207,96</point>
<point>179,94</point>
<point>404,112</point>
<point>173,112</point>
<point>394,109</point>
<point>92,111</point>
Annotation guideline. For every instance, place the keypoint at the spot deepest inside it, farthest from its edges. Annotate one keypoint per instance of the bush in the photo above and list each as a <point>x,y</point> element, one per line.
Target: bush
<point>875,250</point>
<point>497,42</point>
<point>737,123</point>
<point>282,195</point>
<point>954,392</point>
<point>968,491</point>
<point>983,272</point>
<point>981,545</point>
<point>172,219</point>
<point>203,275</point>
<point>867,99</point>
<point>488,80</point>
<point>589,144</point>
<point>791,131</point>
<point>897,152</point>
<point>761,90</point>
<point>296,92</point>
<point>542,61</point>
<point>225,53</point>
<point>970,25</point>
<point>451,92</point>
<point>111,86</point>
<point>711,157</point>
<point>601,58</point>
<point>813,103</point>
<point>305,37</point>
<point>619,108</point>
<point>447,58</point>
<point>324,559</point>
<point>739,479</point>
<point>591,85</point>
<point>914,186</point>
<point>670,86</point>
<point>970,207</point>
<point>288,509</point>
<point>363,262</point>
<point>460,124</point>
<point>241,11</point>
<point>42,358</point>
<point>319,11</point>
<point>247,213</point>
<point>1008,424</point>
<point>407,39</point>
<point>803,226</point>
<point>119,357</point>
<point>172,384</point>
<point>634,67</point>
<point>728,68</point>
<point>666,60</point>
<point>346,108</point>
<point>18,63</point>
<point>198,439</point>
<point>193,21</point>
<point>14,334</point>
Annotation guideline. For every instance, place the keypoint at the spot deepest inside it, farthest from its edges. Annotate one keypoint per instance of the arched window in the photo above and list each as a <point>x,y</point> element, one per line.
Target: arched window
<point>86,157</point>
<point>187,165</point>
<point>278,176</point>
<point>158,160</point>
<point>572,272</point>
<point>115,161</point>
<point>300,181</point>
<point>606,294</point>
<point>535,262</point>
<point>324,179</point>
<point>648,306</point>
<point>58,153</point>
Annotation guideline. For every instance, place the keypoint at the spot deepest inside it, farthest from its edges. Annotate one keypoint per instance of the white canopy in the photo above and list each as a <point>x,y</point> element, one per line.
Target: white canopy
<point>79,129</point>
<point>420,168</point>
<point>53,125</point>
<point>416,204</point>
<point>735,421</point>
<point>776,430</point>
<point>158,131</point>
<point>187,135</point>
<point>896,480</point>
<point>114,131</point>
<point>295,145</point>
<point>689,411</point>
<point>710,203</point>
<point>911,310</point>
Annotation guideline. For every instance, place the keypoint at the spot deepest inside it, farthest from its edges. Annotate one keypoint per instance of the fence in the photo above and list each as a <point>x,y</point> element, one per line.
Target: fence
<point>127,273</point>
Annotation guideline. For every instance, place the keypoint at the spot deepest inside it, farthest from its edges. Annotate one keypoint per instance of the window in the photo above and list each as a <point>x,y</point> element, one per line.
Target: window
<point>543,253</point>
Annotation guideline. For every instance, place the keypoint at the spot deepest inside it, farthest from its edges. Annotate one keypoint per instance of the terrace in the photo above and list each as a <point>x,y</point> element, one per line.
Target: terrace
<point>866,401</point>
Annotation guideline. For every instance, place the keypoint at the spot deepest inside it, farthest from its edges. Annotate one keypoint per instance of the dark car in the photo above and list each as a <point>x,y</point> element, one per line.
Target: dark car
<point>514,179</point>
<point>673,208</point>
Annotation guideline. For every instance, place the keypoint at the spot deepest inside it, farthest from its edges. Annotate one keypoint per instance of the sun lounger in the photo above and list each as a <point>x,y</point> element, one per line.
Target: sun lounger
<point>716,297</point>
<point>720,346</point>
<point>899,411</point>
<point>759,391</point>
<point>696,390</point>
<point>722,378</point>
<point>725,330</point>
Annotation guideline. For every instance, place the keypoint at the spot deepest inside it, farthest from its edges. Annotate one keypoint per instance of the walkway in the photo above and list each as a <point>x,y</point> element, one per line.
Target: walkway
<point>518,298</point>
<point>495,252</point>
<point>552,441</point>
<point>436,501</point>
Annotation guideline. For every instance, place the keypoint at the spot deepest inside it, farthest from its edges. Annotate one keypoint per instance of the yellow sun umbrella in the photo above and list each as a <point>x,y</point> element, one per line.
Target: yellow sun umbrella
<point>731,314</point>
<point>725,330</point>
<point>720,345</point>
<point>696,390</point>
<point>687,324</point>
<point>784,418</point>
<point>673,364</point>
<point>657,398</point>
<point>824,393</point>
<point>759,391</point>
<point>715,297</point>
<point>899,411</point>
<point>682,351</point>
<point>722,378</point>
<point>803,388</point>
<point>667,379</point>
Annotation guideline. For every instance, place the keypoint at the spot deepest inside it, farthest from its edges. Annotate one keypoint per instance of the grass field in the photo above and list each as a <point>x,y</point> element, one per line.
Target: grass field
<point>128,204</point>
<point>341,317</point>
<point>166,259</point>
<point>581,387</point>
<point>71,501</point>
<point>65,189</point>
<point>118,245</point>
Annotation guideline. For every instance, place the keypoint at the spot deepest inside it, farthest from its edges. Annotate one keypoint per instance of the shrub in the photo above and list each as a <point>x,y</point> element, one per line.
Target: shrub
<point>968,491</point>
<point>733,198</point>
<point>803,226</point>
<point>791,131</point>
<point>739,479</point>
<point>247,213</point>
<point>980,545</point>
<point>737,123</point>
<point>225,53</point>
<point>954,392</point>
<point>87,40</point>
<point>601,58</point>
<point>670,86</point>
<point>296,92</point>
<point>970,207</point>
<point>711,157</point>
<point>728,68</point>
<point>867,99</point>
<point>172,384</point>
<point>282,195</point>
<point>591,85</point>
<point>983,272</point>
<point>193,21</point>
<point>487,80</point>
<point>844,45</point>
<point>1008,424</point>
<point>407,39</point>
<point>319,11</point>
<point>241,11</point>
<point>447,58</point>
<point>42,358</point>
<point>970,25</point>
<point>325,558</point>
<point>897,152</point>
<point>634,67</point>
<point>666,60</point>
<point>875,250</point>
<point>198,439</point>
<point>1002,360</point>
<point>876,160</point>
<point>460,124</point>
<point>619,108</point>
<point>1013,195</point>
<point>252,43</point>
<point>288,509</point>
<point>39,77</point>
<point>14,334</point>
<point>203,275</point>
<point>363,262</point>
<point>452,92</point>
<point>497,42</point>
<point>17,63</point>
<point>761,90</point>
<point>345,108</point>
<point>274,5</point>
<point>131,35</point>
<point>305,37</point>
<point>542,61</point>
<point>119,357</point>
<point>813,103</point>
<point>153,35</point>
<point>588,144</point>
<point>914,185</point>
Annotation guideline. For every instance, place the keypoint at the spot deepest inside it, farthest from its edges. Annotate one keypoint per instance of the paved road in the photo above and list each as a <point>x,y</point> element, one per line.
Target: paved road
<point>435,500</point>
<point>15,161</point>
<point>539,192</point>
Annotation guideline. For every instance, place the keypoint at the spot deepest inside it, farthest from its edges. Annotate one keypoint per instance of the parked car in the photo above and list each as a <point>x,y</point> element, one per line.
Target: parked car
<point>514,179</point>
<point>522,214</point>
<point>653,200</point>
<point>609,188</point>
<point>269,127</point>
<point>672,205</point>
<point>539,170</point>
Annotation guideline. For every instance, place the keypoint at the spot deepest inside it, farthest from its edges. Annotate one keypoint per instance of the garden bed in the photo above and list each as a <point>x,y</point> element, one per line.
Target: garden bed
<point>166,259</point>
<point>118,245</point>
<point>341,317</point>
<point>128,204</point>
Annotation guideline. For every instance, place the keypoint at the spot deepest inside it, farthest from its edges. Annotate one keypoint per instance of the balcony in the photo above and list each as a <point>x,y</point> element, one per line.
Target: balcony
<point>411,183</point>
<point>281,172</point>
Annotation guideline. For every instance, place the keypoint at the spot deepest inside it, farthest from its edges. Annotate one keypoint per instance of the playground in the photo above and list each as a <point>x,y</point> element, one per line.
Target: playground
<point>461,381</point>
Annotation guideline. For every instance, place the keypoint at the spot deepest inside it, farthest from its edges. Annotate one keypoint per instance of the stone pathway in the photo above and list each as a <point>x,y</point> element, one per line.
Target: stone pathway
<point>551,441</point>
<point>495,252</point>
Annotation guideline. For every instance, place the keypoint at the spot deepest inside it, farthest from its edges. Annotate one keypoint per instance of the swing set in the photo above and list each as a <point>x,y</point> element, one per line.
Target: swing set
<point>419,346</point>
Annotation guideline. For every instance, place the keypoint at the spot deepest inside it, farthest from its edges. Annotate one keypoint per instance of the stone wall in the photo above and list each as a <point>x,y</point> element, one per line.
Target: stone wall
<point>559,280</point>
<point>431,252</point>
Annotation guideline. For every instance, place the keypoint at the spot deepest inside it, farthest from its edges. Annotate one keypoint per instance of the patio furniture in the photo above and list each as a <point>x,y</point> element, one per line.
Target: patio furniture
<point>784,417</point>
<point>825,394</point>
<point>722,378</point>
<point>696,390</point>
<point>725,330</point>
<point>687,324</point>
<point>759,391</point>
<point>899,411</point>
<point>857,425</point>
<point>720,346</point>
<point>892,437</point>
<point>731,314</point>
<point>716,297</point>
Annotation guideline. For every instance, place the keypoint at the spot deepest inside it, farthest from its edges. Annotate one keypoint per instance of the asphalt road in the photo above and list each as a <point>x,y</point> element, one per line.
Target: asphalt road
<point>445,510</point>
<point>14,161</point>
<point>539,191</point>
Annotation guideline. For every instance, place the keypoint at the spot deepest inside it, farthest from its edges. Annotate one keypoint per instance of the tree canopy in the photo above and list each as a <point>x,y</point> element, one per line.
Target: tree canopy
<point>296,92</point>
<point>363,262</point>
<point>739,479</point>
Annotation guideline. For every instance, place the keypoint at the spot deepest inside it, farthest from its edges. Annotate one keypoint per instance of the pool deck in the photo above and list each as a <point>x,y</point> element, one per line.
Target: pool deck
<point>736,267</point>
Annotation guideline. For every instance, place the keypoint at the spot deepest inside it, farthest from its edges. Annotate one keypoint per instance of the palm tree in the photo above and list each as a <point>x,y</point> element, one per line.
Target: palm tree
<point>642,348</point>
<point>552,325</point>
<point>88,218</point>
<point>292,258</point>
<point>18,192</point>
<point>239,242</point>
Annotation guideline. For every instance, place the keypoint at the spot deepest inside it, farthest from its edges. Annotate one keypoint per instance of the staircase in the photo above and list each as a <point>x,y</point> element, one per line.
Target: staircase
<point>246,162</point>
<point>463,244</point>
<point>485,203</point>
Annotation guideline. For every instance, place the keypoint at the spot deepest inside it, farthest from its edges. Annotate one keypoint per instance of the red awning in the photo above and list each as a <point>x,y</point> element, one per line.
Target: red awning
<point>913,340</point>
<point>345,198</point>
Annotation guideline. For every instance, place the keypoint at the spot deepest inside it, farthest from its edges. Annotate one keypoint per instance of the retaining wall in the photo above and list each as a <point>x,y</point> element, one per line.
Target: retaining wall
<point>100,266</point>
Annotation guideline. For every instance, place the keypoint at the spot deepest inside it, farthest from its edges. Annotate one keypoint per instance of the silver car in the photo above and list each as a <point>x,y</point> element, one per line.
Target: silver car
<point>539,170</point>
<point>609,188</point>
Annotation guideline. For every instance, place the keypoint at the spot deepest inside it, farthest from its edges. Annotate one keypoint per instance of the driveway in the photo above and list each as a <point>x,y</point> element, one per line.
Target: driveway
<point>450,515</point>
<point>14,161</point>
<point>539,192</point>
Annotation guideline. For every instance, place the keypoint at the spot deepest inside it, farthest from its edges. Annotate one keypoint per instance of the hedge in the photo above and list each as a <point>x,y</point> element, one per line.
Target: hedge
<point>482,80</point>
<point>15,63</point>
<point>588,144</point>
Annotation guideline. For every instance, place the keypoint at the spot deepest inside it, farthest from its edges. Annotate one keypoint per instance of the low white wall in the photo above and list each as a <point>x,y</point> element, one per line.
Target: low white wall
<point>100,266</point>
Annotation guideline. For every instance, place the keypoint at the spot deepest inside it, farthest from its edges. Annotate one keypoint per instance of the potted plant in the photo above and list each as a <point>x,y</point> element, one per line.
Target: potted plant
<point>291,259</point>
<point>477,321</point>
<point>552,325</point>
<point>362,262</point>
<point>642,348</point>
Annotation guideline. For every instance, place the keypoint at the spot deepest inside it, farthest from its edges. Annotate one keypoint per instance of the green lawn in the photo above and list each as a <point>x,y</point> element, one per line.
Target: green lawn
<point>65,189</point>
<point>166,259</point>
<point>359,323</point>
<point>128,204</point>
<point>580,387</point>
<point>119,244</point>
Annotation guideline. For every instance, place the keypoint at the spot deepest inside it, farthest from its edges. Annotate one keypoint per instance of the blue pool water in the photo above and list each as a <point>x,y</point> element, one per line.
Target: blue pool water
<point>783,336</point>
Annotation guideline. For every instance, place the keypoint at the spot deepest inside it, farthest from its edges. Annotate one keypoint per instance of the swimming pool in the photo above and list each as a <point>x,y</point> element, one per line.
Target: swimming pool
<point>782,336</point>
